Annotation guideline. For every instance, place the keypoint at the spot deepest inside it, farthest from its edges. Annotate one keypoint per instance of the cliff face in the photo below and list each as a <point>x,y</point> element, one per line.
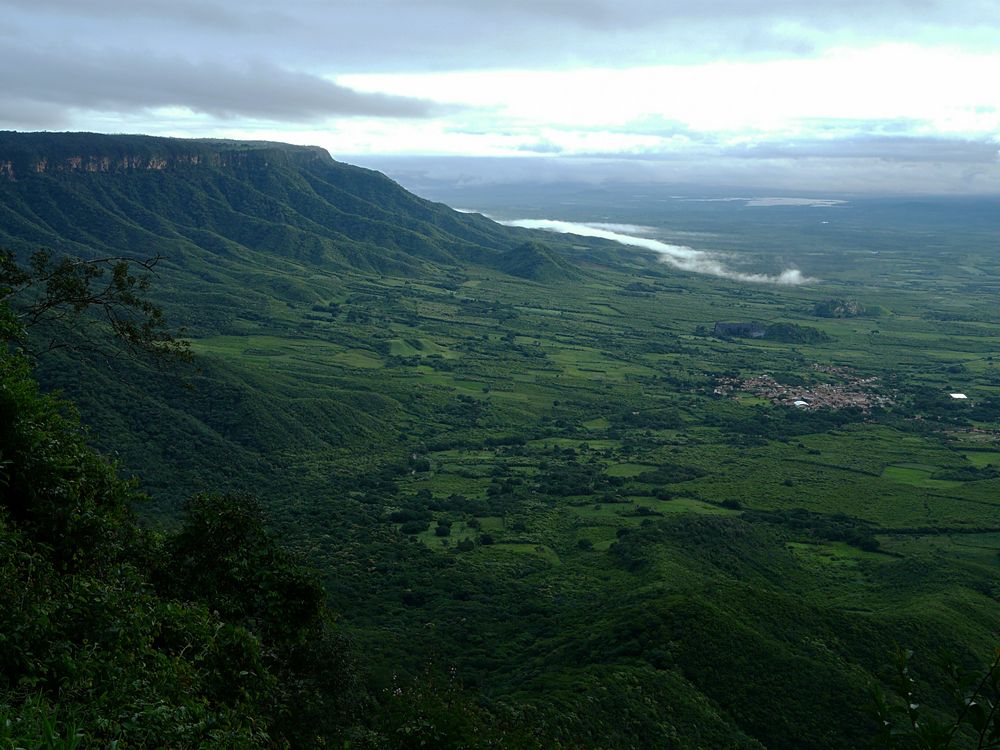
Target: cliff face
<point>25,154</point>
<point>94,163</point>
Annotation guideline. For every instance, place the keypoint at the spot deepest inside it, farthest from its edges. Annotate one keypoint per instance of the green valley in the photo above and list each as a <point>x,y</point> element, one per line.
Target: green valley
<point>527,467</point>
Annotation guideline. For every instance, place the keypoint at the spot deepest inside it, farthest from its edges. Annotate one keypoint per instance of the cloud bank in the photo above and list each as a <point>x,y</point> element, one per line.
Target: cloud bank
<point>680,256</point>
<point>399,35</point>
<point>129,81</point>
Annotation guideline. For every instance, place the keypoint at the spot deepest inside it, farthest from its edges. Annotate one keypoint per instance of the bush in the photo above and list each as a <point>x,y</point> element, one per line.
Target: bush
<point>414,527</point>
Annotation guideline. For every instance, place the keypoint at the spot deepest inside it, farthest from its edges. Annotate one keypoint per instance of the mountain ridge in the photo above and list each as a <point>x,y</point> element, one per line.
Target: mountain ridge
<point>86,193</point>
<point>25,154</point>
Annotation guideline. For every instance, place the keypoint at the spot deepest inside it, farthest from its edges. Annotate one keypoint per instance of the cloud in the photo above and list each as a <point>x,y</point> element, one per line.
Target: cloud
<point>17,113</point>
<point>109,80</point>
<point>395,35</point>
<point>883,148</point>
<point>775,18</point>
<point>540,146</point>
<point>680,256</point>
<point>222,16</point>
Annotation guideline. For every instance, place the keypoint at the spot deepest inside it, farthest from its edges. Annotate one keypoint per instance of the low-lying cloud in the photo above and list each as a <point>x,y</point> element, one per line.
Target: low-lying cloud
<point>680,256</point>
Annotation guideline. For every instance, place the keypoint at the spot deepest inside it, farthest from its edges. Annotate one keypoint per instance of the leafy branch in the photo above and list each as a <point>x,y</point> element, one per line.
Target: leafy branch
<point>53,295</point>
<point>976,721</point>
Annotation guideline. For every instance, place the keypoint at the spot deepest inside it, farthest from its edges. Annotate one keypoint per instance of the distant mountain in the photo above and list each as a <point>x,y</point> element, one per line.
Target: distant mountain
<point>212,206</point>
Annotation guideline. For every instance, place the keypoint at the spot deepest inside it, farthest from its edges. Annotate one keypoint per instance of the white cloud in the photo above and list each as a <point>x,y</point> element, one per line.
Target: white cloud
<point>937,91</point>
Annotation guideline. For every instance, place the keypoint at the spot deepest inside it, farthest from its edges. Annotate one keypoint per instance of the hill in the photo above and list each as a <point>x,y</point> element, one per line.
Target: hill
<point>534,261</point>
<point>233,212</point>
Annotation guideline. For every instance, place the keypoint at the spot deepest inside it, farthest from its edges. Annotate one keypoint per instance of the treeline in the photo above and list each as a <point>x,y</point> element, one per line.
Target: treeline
<point>786,333</point>
<point>779,424</point>
<point>838,527</point>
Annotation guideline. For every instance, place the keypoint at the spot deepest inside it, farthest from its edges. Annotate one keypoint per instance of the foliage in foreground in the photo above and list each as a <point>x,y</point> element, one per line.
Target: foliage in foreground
<point>213,637</point>
<point>976,715</point>
<point>49,294</point>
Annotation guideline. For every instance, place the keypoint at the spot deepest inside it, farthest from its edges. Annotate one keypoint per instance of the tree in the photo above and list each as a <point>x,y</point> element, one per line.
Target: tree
<point>975,722</point>
<point>225,558</point>
<point>90,654</point>
<point>53,295</point>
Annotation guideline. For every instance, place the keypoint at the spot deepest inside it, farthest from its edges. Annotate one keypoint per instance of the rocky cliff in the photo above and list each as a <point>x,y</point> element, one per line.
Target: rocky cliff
<point>26,154</point>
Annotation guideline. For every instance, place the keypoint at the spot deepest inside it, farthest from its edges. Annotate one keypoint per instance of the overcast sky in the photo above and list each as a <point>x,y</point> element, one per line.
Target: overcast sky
<point>857,95</point>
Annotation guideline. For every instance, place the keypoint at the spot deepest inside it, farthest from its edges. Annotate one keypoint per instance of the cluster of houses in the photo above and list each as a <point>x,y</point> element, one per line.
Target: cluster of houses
<point>852,392</point>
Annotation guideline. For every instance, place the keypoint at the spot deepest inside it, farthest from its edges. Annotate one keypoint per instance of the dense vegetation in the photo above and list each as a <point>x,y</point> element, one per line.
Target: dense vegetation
<point>502,454</point>
<point>213,636</point>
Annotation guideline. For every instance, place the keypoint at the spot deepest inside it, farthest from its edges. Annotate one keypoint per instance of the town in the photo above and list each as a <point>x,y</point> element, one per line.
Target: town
<point>853,391</point>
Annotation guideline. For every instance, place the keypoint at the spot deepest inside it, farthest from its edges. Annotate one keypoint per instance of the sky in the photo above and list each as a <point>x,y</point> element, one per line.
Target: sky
<point>883,96</point>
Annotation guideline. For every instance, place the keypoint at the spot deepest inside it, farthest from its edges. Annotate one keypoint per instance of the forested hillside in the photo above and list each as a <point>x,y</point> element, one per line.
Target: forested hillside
<point>542,504</point>
<point>224,212</point>
<point>112,635</point>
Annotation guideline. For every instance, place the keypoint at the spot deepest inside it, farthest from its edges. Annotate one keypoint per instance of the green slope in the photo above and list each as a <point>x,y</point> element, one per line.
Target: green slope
<point>229,213</point>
